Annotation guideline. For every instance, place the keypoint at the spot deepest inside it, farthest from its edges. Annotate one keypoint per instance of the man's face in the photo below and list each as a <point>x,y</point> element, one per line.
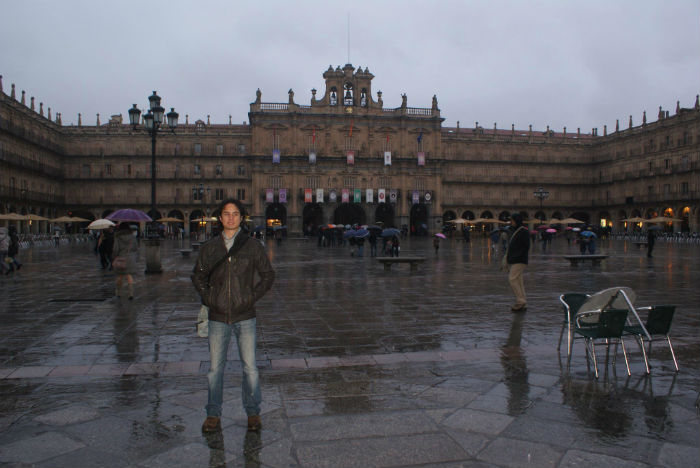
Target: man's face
<point>230,217</point>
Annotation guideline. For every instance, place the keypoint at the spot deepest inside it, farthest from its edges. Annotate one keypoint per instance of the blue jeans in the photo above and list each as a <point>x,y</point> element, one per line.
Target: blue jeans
<point>219,339</point>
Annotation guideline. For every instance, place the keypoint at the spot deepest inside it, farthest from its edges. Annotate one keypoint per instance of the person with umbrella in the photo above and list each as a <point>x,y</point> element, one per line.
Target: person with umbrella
<point>105,246</point>
<point>123,262</point>
<point>516,259</point>
<point>436,241</point>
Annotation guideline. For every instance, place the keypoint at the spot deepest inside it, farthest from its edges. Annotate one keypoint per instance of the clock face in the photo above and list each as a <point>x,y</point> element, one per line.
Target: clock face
<point>348,110</point>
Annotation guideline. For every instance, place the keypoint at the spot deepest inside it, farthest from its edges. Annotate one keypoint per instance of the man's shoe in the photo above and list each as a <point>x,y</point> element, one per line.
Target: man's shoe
<point>519,308</point>
<point>211,424</point>
<point>254,423</point>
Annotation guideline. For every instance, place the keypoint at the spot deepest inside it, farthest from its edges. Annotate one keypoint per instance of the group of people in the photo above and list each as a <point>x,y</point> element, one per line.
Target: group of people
<point>9,248</point>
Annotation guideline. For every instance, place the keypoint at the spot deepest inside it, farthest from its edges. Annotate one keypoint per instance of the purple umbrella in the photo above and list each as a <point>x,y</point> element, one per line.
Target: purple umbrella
<point>127,214</point>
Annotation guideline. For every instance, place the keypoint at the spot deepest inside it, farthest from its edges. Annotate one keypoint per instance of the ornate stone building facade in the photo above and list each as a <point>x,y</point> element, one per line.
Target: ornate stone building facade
<point>345,158</point>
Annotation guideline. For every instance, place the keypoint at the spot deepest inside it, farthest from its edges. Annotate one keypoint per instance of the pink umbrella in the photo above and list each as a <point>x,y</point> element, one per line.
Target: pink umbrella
<point>127,214</point>
<point>551,231</point>
<point>440,235</point>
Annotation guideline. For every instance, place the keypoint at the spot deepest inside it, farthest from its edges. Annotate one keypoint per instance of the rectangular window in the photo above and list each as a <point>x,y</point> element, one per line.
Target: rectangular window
<point>108,169</point>
<point>275,181</point>
<point>86,170</point>
<point>385,182</point>
<point>684,188</point>
<point>219,169</point>
<point>241,148</point>
<point>197,169</point>
<point>197,148</point>
<point>667,189</point>
<point>240,194</point>
<point>312,182</point>
<point>240,170</point>
<point>349,182</point>
<point>219,149</point>
<point>219,194</point>
<point>127,170</point>
<point>667,163</point>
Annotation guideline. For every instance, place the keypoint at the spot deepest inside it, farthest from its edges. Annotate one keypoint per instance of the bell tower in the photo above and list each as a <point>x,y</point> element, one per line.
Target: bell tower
<point>349,88</point>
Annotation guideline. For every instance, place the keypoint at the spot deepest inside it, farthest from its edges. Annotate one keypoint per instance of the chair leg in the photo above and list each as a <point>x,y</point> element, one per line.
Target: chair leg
<point>673,354</point>
<point>561,334</point>
<point>640,342</point>
<point>624,351</point>
<point>595,361</point>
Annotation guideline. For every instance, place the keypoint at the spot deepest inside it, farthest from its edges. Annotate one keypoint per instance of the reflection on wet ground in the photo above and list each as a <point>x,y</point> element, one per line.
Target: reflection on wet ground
<point>360,367</point>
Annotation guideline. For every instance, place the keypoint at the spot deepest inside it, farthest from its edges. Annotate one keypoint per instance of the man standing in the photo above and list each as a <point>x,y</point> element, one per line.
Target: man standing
<point>224,277</point>
<point>516,258</point>
<point>651,239</point>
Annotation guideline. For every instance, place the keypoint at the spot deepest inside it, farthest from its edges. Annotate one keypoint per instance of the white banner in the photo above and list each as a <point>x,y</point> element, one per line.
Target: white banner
<point>387,158</point>
<point>319,195</point>
<point>369,196</point>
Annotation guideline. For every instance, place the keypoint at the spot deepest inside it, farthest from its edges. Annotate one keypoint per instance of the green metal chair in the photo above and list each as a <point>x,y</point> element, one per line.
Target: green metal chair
<point>571,303</point>
<point>658,324</point>
<point>609,327</point>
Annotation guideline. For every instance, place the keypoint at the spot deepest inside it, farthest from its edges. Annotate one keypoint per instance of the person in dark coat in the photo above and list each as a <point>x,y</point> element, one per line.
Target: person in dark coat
<point>651,239</point>
<point>13,250</point>
<point>516,258</point>
<point>105,246</point>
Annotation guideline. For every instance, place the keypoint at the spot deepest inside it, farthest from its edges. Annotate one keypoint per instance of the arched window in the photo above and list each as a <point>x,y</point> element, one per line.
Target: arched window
<point>334,96</point>
<point>347,98</point>
<point>363,97</point>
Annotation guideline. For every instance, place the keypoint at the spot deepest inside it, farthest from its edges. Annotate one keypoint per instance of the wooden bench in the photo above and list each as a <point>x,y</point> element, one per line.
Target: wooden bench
<point>388,261</point>
<point>576,259</point>
<point>186,252</point>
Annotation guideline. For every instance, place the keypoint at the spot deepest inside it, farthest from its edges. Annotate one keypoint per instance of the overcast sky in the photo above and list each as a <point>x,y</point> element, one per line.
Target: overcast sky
<point>558,63</point>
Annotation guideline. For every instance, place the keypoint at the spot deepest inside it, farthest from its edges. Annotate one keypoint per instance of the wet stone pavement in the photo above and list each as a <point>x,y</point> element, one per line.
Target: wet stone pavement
<point>359,367</point>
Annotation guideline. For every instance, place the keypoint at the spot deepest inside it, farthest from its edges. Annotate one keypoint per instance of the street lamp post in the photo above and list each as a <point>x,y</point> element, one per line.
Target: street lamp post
<point>542,194</point>
<point>200,190</point>
<point>152,122</point>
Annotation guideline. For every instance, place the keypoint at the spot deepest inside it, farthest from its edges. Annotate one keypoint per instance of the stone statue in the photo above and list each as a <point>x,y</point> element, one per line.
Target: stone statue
<point>291,96</point>
<point>258,96</point>
<point>435,105</point>
<point>403,100</point>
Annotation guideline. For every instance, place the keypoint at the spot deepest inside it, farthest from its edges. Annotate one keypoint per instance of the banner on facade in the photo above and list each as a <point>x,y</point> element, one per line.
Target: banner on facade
<point>275,156</point>
<point>428,197</point>
<point>283,195</point>
<point>392,196</point>
<point>381,196</point>
<point>369,195</point>
<point>387,158</point>
<point>319,195</point>
<point>415,197</point>
<point>332,196</point>
<point>312,157</point>
<point>351,157</point>
<point>269,195</point>
<point>421,158</point>
<point>307,195</point>
<point>357,198</point>
<point>345,195</point>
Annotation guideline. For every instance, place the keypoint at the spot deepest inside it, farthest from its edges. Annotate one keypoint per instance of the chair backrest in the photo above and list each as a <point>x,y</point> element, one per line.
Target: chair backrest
<point>659,319</point>
<point>611,323</point>
<point>572,303</point>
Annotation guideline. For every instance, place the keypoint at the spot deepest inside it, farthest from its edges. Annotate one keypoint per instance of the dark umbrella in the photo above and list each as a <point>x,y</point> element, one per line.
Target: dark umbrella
<point>349,233</point>
<point>129,215</point>
<point>361,233</point>
<point>390,232</point>
<point>588,234</point>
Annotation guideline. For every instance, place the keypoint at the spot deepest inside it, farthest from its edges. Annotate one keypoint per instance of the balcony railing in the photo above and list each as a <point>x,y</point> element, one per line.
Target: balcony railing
<point>14,194</point>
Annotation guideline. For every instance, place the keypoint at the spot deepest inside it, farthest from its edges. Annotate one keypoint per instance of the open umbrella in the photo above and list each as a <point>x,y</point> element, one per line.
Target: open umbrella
<point>390,232</point>
<point>440,235</point>
<point>349,233</point>
<point>551,231</point>
<point>635,219</point>
<point>100,224</point>
<point>458,221</point>
<point>570,221</point>
<point>35,217</point>
<point>661,219</point>
<point>278,228</point>
<point>361,233</point>
<point>12,217</point>
<point>170,219</point>
<point>576,229</point>
<point>542,227</point>
<point>588,234</point>
<point>130,215</point>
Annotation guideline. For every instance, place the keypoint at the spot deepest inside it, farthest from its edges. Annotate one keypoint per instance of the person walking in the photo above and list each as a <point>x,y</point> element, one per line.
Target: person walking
<point>651,240</point>
<point>4,248</point>
<point>516,258</point>
<point>224,278</point>
<point>372,243</point>
<point>436,244</point>
<point>13,250</point>
<point>105,247</point>
<point>395,246</point>
<point>123,262</point>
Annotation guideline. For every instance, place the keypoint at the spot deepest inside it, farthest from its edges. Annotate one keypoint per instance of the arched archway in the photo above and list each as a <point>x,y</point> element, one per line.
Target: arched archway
<point>685,216</point>
<point>468,215</point>
<point>312,217</point>
<point>540,216</point>
<point>384,214</point>
<point>557,215</point>
<point>448,215</point>
<point>419,220</point>
<point>504,215</point>
<point>275,215</point>
<point>349,213</point>
<point>154,214</point>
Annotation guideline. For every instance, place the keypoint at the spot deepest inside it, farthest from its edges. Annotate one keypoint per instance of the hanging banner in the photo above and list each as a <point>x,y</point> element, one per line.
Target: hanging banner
<point>333,196</point>
<point>369,195</point>
<point>357,198</point>
<point>312,157</point>
<point>307,195</point>
<point>345,195</point>
<point>428,197</point>
<point>415,197</point>
<point>351,157</point>
<point>387,158</point>
<point>283,195</point>
<point>319,195</point>
<point>269,195</point>
<point>421,158</point>
<point>381,196</point>
<point>392,196</point>
<point>275,156</point>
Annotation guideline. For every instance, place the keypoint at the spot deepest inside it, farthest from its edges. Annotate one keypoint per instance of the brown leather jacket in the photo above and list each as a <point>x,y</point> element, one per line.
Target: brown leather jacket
<point>230,290</point>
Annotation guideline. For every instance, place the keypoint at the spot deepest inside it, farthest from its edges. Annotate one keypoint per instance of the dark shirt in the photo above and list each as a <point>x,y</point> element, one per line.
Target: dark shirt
<point>518,247</point>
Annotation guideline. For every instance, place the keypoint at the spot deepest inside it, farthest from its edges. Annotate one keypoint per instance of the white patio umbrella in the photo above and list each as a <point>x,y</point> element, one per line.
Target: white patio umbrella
<point>100,224</point>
